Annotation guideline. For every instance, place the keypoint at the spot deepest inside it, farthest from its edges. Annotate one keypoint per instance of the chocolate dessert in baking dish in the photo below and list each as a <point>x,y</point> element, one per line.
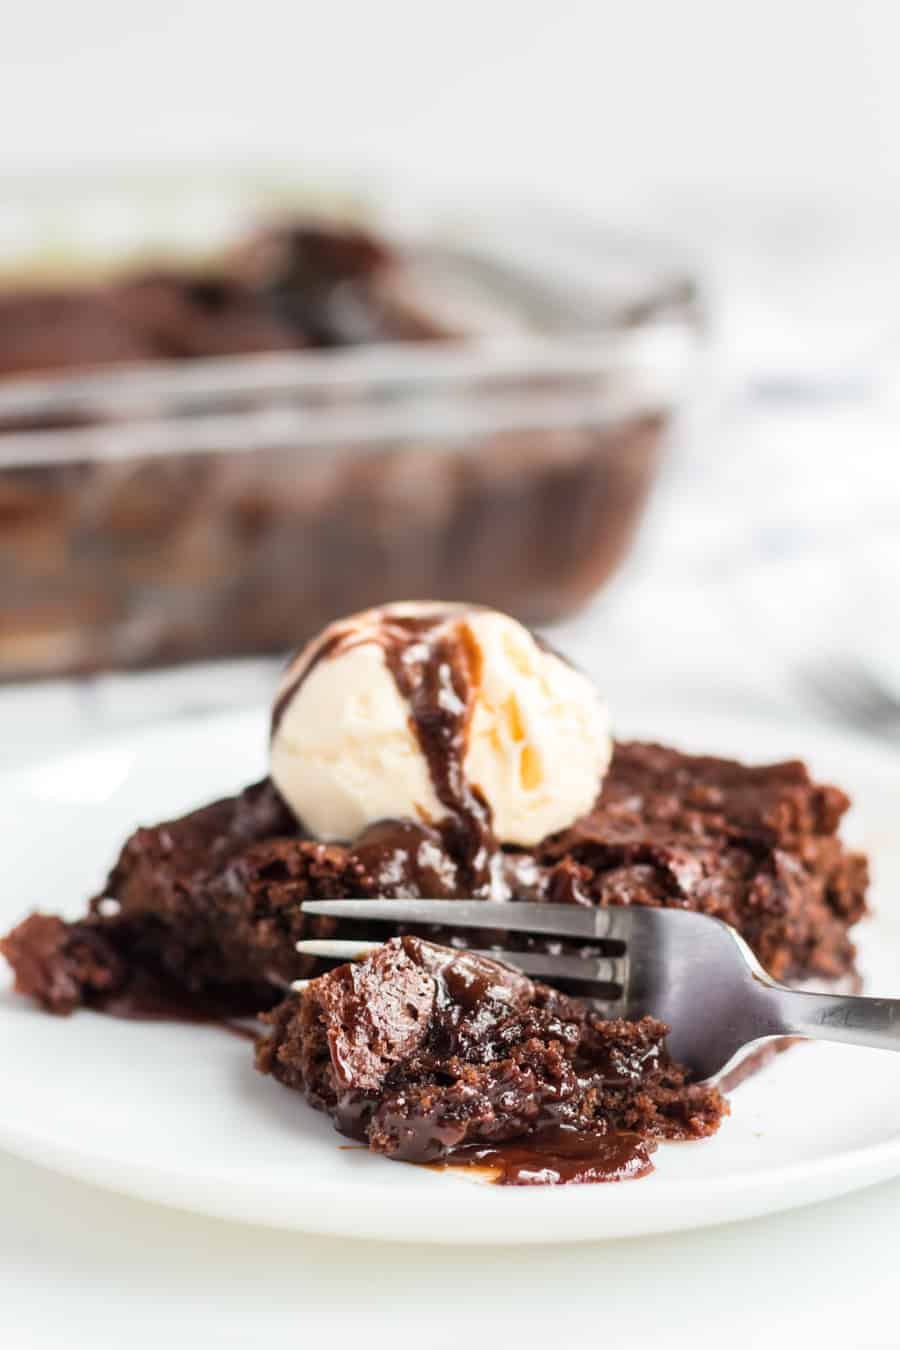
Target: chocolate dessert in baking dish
<point>220,456</point>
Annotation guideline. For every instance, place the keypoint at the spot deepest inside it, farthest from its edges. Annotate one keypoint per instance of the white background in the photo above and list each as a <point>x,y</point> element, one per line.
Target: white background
<point>598,100</point>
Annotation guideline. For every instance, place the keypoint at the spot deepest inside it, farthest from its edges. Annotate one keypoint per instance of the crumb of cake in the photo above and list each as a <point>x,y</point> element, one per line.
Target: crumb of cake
<point>61,965</point>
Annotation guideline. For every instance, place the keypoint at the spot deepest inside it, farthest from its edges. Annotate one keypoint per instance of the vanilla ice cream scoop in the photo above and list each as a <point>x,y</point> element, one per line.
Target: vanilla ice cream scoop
<point>443,714</point>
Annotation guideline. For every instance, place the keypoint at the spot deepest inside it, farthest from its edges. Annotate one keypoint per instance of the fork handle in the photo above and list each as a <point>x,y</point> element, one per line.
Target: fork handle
<point>848,1018</point>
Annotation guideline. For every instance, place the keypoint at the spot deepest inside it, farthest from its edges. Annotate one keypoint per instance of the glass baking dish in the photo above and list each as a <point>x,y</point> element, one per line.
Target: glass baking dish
<point>165,511</point>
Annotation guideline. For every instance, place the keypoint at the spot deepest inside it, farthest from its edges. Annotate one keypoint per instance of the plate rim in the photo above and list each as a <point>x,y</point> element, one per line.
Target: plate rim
<point>581,1217</point>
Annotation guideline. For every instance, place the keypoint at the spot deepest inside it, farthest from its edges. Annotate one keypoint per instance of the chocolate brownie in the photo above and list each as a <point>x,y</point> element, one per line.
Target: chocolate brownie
<point>210,902</point>
<point>424,1052</point>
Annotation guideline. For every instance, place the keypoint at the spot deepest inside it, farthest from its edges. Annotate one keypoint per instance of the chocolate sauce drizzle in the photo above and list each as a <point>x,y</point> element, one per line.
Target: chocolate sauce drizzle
<point>436,665</point>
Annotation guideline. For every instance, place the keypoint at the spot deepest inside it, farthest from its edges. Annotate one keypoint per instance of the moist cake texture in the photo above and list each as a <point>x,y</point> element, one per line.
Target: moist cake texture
<point>421,1051</point>
<point>209,903</point>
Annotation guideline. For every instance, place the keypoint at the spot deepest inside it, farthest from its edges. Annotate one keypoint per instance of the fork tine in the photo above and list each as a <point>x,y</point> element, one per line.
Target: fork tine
<point>338,949</point>
<point>603,970</point>
<point>606,970</point>
<point>518,916</point>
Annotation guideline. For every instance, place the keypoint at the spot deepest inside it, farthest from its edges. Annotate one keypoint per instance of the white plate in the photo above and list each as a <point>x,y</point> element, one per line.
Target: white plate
<point>177,1114</point>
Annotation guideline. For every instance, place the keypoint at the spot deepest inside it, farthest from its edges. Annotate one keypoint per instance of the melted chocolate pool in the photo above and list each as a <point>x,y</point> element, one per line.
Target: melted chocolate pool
<point>556,1157</point>
<point>149,998</point>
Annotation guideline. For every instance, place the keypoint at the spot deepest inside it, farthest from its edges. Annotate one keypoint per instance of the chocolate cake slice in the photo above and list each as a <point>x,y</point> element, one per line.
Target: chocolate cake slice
<point>423,1052</point>
<point>209,903</point>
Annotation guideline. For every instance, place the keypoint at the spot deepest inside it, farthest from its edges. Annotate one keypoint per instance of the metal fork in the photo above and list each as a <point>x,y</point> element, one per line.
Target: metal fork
<point>693,972</point>
<point>848,688</point>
